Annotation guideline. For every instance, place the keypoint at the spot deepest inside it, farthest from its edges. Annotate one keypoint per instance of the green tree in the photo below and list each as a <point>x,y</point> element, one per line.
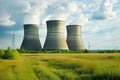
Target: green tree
<point>1,53</point>
<point>11,54</point>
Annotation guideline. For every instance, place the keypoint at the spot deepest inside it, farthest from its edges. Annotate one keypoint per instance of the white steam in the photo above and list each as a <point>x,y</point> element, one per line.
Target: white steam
<point>64,11</point>
<point>36,11</point>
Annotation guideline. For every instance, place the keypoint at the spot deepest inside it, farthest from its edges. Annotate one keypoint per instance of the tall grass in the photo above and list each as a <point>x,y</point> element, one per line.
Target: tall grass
<point>62,67</point>
<point>76,66</point>
<point>16,70</point>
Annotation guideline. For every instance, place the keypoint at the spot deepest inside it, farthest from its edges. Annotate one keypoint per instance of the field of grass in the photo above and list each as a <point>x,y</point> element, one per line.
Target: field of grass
<point>62,67</point>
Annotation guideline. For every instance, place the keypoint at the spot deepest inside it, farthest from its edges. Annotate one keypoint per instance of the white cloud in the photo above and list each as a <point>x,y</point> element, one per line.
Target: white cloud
<point>78,19</point>
<point>107,35</point>
<point>46,17</point>
<point>16,32</point>
<point>105,11</point>
<point>95,29</point>
<point>6,21</point>
<point>36,11</point>
<point>8,10</point>
<point>62,12</point>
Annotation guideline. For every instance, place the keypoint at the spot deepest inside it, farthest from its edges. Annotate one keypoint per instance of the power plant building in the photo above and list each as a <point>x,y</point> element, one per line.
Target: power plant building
<point>31,37</point>
<point>74,39</point>
<point>55,39</point>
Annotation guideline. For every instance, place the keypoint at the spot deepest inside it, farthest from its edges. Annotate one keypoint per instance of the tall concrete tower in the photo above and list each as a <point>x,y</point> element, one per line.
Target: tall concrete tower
<point>31,37</point>
<point>55,36</point>
<point>74,39</point>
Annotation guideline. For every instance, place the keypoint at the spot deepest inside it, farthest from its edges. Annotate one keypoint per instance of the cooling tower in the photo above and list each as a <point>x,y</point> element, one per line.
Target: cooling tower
<point>55,39</point>
<point>31,37</point>
<point>74,39</point>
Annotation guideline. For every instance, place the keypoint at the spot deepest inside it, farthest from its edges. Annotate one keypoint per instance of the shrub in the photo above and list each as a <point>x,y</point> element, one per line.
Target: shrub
<point>11,54</point>
<point>1,53</point>
<point>23,50</point>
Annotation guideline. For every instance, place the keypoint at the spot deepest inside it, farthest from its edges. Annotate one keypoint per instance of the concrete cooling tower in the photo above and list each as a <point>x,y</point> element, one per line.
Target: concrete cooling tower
<point>55,39</point>
<point>31,37</point>
<point>74,39</point>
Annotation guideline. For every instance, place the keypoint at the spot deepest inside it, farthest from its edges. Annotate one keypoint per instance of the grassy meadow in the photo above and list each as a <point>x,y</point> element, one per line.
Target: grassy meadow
<point>60,66</point>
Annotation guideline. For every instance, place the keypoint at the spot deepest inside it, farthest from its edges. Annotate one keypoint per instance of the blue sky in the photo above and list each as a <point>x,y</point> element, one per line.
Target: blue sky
<point>100,20</point>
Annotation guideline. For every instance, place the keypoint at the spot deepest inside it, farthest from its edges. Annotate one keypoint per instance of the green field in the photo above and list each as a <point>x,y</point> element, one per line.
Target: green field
<point>62,67</point>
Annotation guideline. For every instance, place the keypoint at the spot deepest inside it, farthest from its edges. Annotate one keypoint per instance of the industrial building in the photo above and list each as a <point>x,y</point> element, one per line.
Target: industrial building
<point>74,38</point>
<point>31,37</point>
<point>55,39</point>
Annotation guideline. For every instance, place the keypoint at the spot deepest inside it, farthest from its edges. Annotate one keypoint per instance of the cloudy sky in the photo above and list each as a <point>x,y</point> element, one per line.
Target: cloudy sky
<point>100,20</point>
